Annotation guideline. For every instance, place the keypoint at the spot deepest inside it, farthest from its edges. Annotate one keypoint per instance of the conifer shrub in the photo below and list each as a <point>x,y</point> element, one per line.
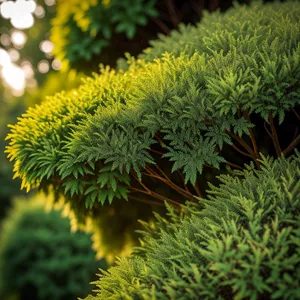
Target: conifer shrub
<point>224,28</point>
<point>82,29</point>
<point>244,243</point>
<point>162,129</point>
<point>39,256</point>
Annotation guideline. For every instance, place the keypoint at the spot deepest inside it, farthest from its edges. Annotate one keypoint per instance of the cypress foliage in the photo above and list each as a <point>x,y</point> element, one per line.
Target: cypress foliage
<point>156,128</point>
<point>244,244</point>
<point>218,30</point>
<point>39,256</point>
<point>82,29</point>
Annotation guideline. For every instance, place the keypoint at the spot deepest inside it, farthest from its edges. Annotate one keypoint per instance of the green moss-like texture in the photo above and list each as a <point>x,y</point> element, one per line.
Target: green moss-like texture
<point>244,244</point>
<point>39,256</point>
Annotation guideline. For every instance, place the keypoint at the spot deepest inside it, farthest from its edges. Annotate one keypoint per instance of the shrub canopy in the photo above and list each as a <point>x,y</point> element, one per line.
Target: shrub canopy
<point>244,244</point>
<point>178,113</point>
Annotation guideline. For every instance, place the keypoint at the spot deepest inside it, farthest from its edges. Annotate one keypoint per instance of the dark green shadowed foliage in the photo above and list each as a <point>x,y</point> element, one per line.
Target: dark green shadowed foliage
<point>161,129</point>
<point>39,256</point>
<point>244,243</point>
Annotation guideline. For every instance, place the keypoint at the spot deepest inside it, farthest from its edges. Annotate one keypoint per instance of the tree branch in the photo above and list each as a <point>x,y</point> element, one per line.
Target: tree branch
<point>173,13</point>
<point>161,25</point>
<point>274,135</point>
<point>253,140</point>
<point>291,146</point>
<point>146,201</point>
<point>296,114</point>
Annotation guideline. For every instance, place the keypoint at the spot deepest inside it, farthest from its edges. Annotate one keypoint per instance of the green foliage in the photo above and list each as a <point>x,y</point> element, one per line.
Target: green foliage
<point>39,256</point>
<point>179,114</point>
<point>244,243</point>
<point>221,30</point>
<point>81,30</point>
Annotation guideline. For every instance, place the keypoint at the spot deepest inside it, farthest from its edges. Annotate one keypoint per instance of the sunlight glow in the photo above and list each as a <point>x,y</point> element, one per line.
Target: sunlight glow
<point>46,46</point>
<point>4,58</point>
<point>12,75</point>
<point>14,55</point>
<point>19,13</point>
<point>43,66</point>
<point>19,38</point>
<point>39,11</point>
<point>5,39</point>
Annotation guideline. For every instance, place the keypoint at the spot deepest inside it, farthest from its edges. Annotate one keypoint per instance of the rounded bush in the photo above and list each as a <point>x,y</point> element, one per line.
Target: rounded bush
<point>244,243</point>
<point>40,258</point>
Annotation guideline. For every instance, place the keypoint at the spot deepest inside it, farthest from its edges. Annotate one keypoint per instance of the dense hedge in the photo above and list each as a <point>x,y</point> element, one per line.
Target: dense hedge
<point>238,93</point>
<point>245,244</point>
<point>39,256</point>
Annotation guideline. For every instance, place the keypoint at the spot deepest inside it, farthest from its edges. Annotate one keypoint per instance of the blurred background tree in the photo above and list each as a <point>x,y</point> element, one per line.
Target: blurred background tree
<point>40,258</point>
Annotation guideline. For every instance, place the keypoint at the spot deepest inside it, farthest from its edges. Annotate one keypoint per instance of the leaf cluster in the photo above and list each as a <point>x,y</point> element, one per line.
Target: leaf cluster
<point>83,29</point>
<point>244,243</point>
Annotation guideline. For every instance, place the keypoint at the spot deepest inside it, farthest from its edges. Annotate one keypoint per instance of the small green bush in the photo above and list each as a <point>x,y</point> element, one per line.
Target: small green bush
<point>244,243</point>
<point>39,256</point>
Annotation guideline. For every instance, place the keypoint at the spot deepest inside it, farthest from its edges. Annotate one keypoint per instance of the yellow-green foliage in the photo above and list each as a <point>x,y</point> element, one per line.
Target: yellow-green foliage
<point>244,244</point>
<point>95,145</point>
<point>39,256</point>
<point>82,29</point>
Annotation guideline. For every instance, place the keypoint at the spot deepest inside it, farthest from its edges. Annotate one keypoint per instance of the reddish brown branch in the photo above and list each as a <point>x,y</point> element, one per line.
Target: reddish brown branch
<point>296,114</point>
<point>274,135</point>
<point>183,181</point>
<point>159,139</point>
<point>291,146</point>
<point>240,151</point>
<point>242,143</point>
<point>153,194</point>
<point>234,165</point>
<point>170,183</point>
<point>197,189</point>
<point>146,201</point>
<point>253,140</point>
<point>157,152</point>
<point>268,132</point>
<point>173,13</point>
<point>198,8</point>
<point>161,25</point>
